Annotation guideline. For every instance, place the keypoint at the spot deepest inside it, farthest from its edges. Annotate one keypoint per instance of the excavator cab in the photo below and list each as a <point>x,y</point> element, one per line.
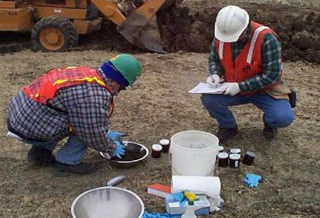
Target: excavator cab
<point>55,25</point>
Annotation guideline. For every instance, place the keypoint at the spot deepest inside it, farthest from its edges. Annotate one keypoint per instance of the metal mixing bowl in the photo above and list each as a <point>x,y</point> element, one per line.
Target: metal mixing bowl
<point>133,147</point>
<point>107,202</point>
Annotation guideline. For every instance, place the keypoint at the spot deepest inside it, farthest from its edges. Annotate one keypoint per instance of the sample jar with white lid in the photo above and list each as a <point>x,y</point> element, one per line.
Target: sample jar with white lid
<point>248,158</point>
<point>165,143</point>
<point>234,160</point>
<point>221,148</point>
<point>156,150</point>
<point>223,159</point>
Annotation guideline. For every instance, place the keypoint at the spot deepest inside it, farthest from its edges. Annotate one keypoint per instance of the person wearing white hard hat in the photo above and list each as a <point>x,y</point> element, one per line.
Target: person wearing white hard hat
<point>246,58</point>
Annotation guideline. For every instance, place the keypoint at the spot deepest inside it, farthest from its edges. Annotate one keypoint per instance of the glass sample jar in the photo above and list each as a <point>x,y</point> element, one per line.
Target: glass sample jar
<point>234,160</point>
<point>156,150</point>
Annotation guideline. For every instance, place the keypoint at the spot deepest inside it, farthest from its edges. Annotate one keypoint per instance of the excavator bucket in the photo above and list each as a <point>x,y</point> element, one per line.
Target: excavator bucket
<point>141,27</point>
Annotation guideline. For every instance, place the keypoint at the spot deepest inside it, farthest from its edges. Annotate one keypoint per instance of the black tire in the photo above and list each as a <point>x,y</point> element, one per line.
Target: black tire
<point>54,33</point>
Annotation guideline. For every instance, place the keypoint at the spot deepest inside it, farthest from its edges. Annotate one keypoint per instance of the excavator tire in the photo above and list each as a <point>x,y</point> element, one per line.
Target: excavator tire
<point>54,33</point>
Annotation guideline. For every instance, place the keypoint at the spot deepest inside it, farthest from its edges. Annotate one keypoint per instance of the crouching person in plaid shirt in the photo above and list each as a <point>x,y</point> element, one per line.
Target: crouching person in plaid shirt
<point>74,103</point>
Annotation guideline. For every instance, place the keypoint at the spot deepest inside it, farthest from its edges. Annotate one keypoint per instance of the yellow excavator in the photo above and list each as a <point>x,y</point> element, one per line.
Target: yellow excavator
<point>55,25</point>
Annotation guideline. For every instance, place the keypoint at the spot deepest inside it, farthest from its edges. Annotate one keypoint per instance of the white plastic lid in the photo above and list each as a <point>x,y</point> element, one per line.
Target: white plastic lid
<point>235,150</point>
<point>223,155</point>
<point>250,153</point>
<point>234,156</point>
<point>164,142</point>
<point>156,147</point>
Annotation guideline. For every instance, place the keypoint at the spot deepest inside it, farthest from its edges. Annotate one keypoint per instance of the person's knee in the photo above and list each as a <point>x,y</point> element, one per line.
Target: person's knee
<point>205,99</point>
<point>289,119</point>
<point>283,120</point>
<point>209,100</point>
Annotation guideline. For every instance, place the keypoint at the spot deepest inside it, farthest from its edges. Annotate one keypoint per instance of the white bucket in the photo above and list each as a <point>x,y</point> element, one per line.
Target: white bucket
<point>193,153</point>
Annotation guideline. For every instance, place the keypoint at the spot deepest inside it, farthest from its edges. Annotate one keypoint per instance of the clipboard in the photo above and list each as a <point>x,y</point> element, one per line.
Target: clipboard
<point>204,88</point>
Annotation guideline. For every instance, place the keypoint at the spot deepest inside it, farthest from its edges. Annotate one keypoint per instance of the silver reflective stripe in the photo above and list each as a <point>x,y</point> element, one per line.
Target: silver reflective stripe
<point>253,42</point>
<point>221,49</point>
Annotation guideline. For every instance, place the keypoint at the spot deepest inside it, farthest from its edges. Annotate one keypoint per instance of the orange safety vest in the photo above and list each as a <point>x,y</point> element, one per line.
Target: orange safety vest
<point>45,87</point>
<point>249,61</point>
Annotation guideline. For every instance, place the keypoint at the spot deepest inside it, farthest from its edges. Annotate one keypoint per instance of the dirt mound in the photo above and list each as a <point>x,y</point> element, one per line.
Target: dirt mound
<point>189,27</point>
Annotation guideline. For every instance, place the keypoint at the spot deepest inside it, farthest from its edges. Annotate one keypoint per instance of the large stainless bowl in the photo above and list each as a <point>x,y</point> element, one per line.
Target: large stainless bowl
<point>107,202</point>
<point>132,147</point>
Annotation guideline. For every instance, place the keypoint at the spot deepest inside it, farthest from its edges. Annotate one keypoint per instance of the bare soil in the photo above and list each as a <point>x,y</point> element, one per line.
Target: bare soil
<point>159,106</point>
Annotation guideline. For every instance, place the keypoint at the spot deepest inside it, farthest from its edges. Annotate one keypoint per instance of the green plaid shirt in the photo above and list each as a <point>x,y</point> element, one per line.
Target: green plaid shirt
<point>271,62</point>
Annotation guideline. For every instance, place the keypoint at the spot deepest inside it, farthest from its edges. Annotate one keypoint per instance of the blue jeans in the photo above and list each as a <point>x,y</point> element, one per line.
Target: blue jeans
<point>277,113</point>
<point>71,153</point>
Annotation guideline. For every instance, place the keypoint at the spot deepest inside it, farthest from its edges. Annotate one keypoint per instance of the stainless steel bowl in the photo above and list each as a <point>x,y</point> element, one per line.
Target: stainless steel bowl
<point>132,147</point>
<point>107,202</point>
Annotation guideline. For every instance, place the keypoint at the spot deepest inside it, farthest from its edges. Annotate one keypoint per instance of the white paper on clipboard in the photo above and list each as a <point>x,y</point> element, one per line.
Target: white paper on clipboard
<point>204,88</point>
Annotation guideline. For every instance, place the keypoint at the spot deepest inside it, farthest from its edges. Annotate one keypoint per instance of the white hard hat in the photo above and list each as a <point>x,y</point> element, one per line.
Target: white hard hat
<point>231,21</point>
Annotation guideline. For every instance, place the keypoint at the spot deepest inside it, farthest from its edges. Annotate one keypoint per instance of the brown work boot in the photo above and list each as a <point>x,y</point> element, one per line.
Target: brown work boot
<point>82,168</point>
<point>269,133</point>
<point>225,134</point>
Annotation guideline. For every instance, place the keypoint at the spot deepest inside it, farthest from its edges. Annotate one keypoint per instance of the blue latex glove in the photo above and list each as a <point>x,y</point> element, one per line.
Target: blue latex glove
<point>178,196</point>
<point>119,150</point>
<point>159,215</point>
<point>252,180</point>
<point>116,136</point>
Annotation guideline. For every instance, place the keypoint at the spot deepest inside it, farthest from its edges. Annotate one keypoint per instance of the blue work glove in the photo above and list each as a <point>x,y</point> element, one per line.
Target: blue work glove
<point>119,150</point>
<point>116,136</point>
<point>178,196</point>
<point>159,215</point>
<point>252,180</point>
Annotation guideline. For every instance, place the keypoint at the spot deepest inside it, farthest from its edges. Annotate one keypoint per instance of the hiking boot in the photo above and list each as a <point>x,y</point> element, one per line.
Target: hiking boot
<point>82,168</point>
<point>269,133</point>
<point>38,155</point>
<point>225,134</point>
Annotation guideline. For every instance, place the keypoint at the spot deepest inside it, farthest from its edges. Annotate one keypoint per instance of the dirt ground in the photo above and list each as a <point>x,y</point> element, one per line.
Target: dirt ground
<point>159,106</point>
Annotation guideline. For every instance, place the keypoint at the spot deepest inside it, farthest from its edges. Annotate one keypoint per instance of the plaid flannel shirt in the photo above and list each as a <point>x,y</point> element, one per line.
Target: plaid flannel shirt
<point>84,106</point>
<point>271,62</point>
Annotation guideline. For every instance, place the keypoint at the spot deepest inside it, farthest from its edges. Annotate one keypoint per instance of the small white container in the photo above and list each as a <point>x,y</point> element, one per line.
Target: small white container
<point>165,143</point>
<point>234,160</point>
<point>156,150</point>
